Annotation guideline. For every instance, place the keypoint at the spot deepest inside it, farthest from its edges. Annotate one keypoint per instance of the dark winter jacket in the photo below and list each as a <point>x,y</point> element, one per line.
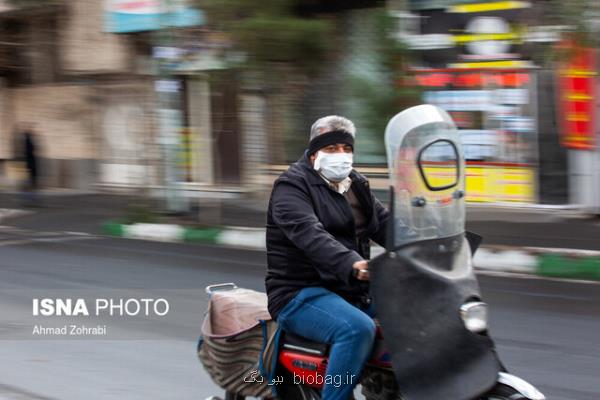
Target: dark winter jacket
<point>311,239</point>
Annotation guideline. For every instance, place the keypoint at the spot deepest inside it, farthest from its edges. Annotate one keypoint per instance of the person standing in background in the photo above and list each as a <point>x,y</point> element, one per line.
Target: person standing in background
<point>29,151</point>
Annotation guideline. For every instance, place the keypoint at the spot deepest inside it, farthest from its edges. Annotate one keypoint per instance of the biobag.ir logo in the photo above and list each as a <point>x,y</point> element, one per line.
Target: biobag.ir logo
<point>100,307</point>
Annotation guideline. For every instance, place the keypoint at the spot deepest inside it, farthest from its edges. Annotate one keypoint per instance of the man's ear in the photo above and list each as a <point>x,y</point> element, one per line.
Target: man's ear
<point>312,158</point>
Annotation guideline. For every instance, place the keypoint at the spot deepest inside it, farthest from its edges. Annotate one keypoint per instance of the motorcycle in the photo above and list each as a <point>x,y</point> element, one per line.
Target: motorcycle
<point>432,337</point>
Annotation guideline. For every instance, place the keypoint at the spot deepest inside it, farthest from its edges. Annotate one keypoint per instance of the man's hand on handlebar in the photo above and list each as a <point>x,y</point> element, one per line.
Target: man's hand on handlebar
<point>361,270</point>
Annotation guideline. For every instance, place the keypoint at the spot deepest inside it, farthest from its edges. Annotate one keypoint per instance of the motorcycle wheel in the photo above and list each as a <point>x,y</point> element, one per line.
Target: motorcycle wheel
<point>298,393</point>
<point>503,392</point>
<point>395,396</point>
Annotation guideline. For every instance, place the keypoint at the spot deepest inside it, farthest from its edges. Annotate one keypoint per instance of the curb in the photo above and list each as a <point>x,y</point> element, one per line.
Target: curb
<point>547,262</point>
<point>251,238</point>
<point>569,266</point>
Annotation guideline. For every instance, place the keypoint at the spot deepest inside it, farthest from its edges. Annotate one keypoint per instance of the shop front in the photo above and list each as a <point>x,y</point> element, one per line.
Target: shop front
<point>495,112</point>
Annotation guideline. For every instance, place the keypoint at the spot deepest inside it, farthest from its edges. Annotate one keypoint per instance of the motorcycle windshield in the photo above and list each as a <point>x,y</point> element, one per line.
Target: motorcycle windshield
<point>426,165</point>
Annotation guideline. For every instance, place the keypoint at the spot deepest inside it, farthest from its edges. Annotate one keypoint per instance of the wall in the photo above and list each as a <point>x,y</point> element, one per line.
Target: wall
<point>127,149</point>
<point>84,45</point>
<point>64,123</point>
<point>63,115</point>
<point>6,145</point>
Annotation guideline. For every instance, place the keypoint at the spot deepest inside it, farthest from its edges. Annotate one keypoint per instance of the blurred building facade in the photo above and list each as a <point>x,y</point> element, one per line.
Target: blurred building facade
<point>121,95</point>
<point>56,60</point>
<point>138,95</point>
<point>129,94</point>
<point>494,66</point>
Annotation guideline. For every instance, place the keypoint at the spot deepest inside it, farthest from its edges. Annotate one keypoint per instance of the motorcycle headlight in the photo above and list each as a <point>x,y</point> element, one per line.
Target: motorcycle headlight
<point>474,316</point>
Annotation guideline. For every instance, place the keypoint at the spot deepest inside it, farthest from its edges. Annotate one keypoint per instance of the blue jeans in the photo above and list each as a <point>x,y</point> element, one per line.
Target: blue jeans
<point>323,316</point>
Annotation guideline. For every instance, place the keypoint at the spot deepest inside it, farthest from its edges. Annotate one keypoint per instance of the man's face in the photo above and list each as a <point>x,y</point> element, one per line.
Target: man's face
<point>333,148</point>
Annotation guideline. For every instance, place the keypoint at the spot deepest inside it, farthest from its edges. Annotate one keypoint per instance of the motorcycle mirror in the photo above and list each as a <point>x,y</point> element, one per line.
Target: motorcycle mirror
<point>438,165</point>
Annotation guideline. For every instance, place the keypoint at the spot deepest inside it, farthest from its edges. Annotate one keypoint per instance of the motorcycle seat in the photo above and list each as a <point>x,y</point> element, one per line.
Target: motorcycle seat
<point>293,342</point>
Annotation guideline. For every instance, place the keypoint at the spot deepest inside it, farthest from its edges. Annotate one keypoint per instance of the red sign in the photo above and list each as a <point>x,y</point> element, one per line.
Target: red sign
<point>475,79</point>
<point>577,101</point>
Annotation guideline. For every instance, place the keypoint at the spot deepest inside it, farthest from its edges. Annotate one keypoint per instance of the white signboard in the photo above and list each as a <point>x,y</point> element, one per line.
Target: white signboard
<point>461,100</point>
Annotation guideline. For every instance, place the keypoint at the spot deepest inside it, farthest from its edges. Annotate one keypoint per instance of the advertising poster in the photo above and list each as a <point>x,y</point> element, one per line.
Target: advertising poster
<point>577,86</point>
<point>492,110</point>
<point>126,16</point>
<point>475,63</point>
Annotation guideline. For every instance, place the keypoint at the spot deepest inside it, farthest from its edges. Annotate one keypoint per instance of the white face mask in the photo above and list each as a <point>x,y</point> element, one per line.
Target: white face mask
<point>334,166</point>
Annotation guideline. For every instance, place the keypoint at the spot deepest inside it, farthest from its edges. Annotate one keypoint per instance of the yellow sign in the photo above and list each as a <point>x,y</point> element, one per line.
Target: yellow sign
<point>492,6</point>
<point>500,184</point>
<point>480,37</point>
<point>490,183</point>
<point>494,64</point>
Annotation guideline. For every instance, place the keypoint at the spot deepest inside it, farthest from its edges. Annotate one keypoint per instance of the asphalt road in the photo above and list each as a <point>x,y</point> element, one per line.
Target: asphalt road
<point>546,331</point>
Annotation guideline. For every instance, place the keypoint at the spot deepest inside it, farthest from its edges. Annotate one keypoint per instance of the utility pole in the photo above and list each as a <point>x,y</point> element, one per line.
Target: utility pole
<point>169,110</point>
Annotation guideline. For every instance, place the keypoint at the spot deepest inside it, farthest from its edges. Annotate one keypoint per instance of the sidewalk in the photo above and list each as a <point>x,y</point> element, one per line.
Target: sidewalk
<point>546,241</point>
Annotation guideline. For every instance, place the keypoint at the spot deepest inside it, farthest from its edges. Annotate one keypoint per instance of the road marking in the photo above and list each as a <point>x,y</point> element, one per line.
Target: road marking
<point>44,233</point>
<point>537,277</point>
<point>9,392</point>
<point>13,229</point>
<point>61,239</point>
<point>77,233</point>
<point>6,213</point>
<point>28,236</point>
<point>15,242</point>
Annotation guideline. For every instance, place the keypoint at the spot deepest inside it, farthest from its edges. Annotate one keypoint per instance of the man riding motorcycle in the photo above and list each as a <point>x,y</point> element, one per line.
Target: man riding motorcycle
<point>432,340</point>
<point>321,217</point>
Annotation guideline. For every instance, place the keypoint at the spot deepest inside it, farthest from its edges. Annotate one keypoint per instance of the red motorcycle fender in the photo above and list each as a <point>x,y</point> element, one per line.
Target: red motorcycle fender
<point>306,369</point>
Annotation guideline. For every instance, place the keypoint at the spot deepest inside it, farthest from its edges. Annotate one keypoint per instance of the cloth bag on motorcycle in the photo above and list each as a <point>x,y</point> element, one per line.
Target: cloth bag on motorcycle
<point>236,329</point>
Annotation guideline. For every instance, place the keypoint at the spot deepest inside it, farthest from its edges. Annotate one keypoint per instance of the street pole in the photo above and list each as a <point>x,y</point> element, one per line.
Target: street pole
<point>169,114</point>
